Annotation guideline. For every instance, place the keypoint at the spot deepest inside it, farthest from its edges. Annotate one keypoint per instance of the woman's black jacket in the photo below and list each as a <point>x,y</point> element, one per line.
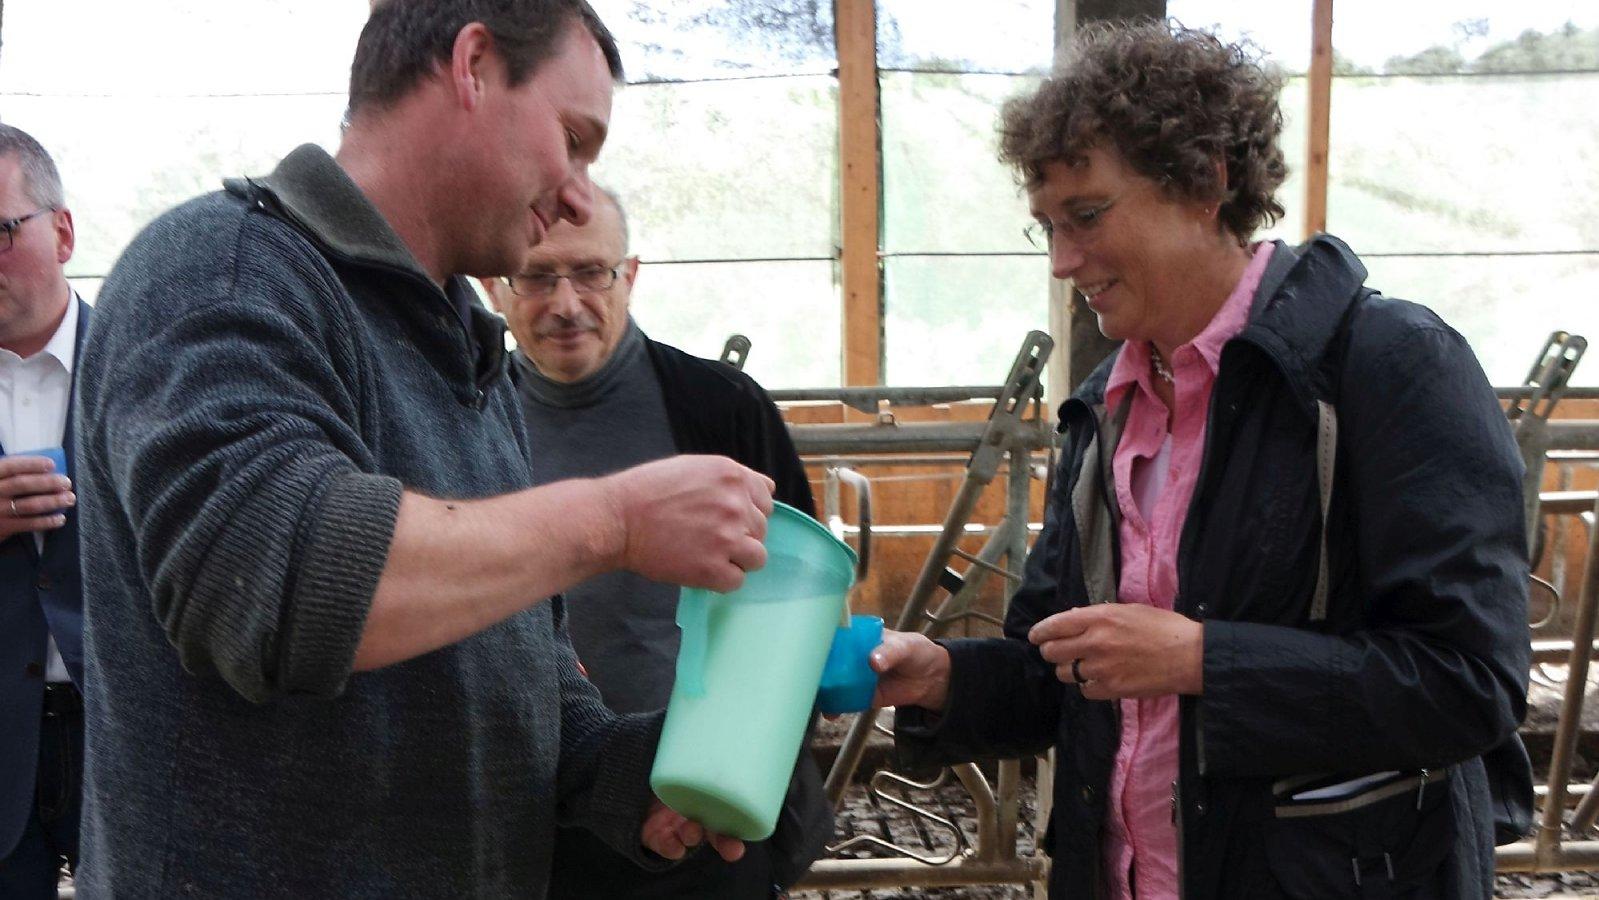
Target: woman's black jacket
<point>1420,662</point>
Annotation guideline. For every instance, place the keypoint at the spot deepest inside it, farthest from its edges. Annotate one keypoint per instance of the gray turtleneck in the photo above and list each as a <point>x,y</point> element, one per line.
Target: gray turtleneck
<point>623,626</point>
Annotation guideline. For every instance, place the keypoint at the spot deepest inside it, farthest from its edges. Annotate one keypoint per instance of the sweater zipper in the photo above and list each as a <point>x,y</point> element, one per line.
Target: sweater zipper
<point>479,381</point>
<point>466,334</point>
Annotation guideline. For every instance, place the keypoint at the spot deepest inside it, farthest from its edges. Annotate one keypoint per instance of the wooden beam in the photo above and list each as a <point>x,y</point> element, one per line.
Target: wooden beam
<point>1319,111</point>
<point>860,194</point>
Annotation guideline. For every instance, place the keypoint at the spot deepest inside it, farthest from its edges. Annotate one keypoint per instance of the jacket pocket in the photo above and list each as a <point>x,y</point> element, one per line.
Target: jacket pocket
<point>1371,838</point>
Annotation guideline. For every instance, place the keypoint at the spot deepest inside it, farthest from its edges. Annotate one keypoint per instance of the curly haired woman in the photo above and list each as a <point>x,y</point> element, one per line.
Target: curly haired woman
<point>1277,614</point>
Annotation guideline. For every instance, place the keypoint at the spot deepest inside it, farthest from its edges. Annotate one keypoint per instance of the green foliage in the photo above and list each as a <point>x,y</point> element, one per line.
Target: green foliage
<point>1436,60</point>
<point>1567,48</point>
<point>1343,65</point>
<point>1564,49</point>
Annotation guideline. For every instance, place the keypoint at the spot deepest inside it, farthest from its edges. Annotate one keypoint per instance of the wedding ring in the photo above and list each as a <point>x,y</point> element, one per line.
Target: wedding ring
<point>1077,673</point>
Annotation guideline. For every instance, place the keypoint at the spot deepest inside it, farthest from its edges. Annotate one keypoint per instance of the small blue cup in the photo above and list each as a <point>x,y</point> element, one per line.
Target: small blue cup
<point>848,681</point>
<point>55,454</point>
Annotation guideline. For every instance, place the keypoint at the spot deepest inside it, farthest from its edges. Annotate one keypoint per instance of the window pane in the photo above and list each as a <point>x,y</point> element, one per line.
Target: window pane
<point>1411,170</point>
<point>685,39</point>
<point>944,188</point>
<point>961,36</point>
<point>179,47</point>
<point>789,311</point>
<point>1281,28</point>
<point>1293,100</point>
<point>960,320</point>
<point>660,39</point>
<point>727,169</point>
<point>1468,35</point>
<point>116,186</point>
<point>1504,306</point>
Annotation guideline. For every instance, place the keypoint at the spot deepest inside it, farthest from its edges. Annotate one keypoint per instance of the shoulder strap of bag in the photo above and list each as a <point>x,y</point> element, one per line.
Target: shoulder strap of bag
<point>1326,463</point>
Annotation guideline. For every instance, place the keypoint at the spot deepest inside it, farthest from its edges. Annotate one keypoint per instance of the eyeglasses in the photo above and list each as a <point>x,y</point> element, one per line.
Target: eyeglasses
<point>1078,226</point>
<point>8,227</point>
<point>587,280</point>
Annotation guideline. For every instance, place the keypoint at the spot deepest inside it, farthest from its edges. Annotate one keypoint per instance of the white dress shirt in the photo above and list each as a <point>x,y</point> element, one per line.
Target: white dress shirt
<point>34,393</point>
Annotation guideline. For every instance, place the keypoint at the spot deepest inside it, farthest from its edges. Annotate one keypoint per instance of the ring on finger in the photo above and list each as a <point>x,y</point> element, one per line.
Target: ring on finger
<point>1077,672</point>
<point>14,513</point>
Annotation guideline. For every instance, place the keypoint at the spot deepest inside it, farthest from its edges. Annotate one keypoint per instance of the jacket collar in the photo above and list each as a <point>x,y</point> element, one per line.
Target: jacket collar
<point>317,194</point>
<point>1303,297</point>
<point>311,191</point>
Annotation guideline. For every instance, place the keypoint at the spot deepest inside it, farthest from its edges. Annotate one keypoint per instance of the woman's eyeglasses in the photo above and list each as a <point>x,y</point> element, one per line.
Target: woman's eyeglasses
<point>1078,225</point>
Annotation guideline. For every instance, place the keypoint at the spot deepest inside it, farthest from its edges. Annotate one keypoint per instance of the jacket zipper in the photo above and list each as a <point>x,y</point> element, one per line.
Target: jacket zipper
<point>1184,551</point>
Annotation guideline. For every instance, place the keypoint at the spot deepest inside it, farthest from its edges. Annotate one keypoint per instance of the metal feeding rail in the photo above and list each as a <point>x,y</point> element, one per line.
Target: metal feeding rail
<point>1529,411</point>
<point>1016,429</point>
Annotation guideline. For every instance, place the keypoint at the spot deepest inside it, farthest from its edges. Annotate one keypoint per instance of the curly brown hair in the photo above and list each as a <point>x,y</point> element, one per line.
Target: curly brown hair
<point>1172,101</point>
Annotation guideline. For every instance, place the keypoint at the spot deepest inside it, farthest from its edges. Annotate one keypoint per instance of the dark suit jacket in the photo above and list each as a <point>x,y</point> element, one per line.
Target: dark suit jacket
<point>40,595</point>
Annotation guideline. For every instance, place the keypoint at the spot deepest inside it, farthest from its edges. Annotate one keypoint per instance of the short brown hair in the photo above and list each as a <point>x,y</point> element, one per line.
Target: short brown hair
<point>1172,101</point>
<point>404,39</point>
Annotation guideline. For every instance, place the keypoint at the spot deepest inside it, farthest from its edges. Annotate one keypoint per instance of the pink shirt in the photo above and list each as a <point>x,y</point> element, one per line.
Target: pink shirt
<point>1155,470</point>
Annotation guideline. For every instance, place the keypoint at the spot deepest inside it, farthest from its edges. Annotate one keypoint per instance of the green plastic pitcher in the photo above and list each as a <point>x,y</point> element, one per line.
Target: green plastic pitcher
<point>747,671</point>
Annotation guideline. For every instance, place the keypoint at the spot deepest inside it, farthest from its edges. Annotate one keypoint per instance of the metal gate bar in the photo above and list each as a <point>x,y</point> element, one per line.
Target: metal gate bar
<point>1014,430</point>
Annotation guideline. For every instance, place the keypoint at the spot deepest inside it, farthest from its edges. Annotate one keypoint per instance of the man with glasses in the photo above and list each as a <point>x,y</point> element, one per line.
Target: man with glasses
<point>320,660</point>
<point>41,609</point>
<point>600,396</point>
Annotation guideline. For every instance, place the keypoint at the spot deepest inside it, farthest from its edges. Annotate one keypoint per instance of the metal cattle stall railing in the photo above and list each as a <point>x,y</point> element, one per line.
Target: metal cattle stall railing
<point>1529,409</point>
<point>1016,429</point>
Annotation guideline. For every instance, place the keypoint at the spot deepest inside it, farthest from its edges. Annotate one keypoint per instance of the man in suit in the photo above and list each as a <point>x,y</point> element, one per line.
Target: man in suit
<point>41,612</point>
<point>600,396</point>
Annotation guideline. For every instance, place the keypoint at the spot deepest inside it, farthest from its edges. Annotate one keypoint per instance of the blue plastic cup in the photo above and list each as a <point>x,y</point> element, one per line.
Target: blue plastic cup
<point>848,681</point>
<point>56,455</point>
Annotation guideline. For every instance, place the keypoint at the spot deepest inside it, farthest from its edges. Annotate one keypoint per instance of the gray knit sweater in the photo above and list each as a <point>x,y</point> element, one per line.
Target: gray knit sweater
<point>268,366</point>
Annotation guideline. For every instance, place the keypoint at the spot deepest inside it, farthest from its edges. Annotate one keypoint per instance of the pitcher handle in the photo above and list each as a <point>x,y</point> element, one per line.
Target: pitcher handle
<point>863,500</point>
<point>693,619</point>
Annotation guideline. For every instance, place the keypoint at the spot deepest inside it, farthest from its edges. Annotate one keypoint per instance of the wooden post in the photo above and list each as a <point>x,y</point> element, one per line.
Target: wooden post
<point>1057,375</point>
<point>1319,112</point>
<point>860,166</point>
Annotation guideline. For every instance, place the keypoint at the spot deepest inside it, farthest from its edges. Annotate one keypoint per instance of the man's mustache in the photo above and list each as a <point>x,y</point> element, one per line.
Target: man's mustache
<point>580,322</point>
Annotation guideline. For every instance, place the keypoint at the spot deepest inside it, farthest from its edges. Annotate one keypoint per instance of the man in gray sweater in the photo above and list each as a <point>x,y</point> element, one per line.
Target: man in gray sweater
<point>319,660</point>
